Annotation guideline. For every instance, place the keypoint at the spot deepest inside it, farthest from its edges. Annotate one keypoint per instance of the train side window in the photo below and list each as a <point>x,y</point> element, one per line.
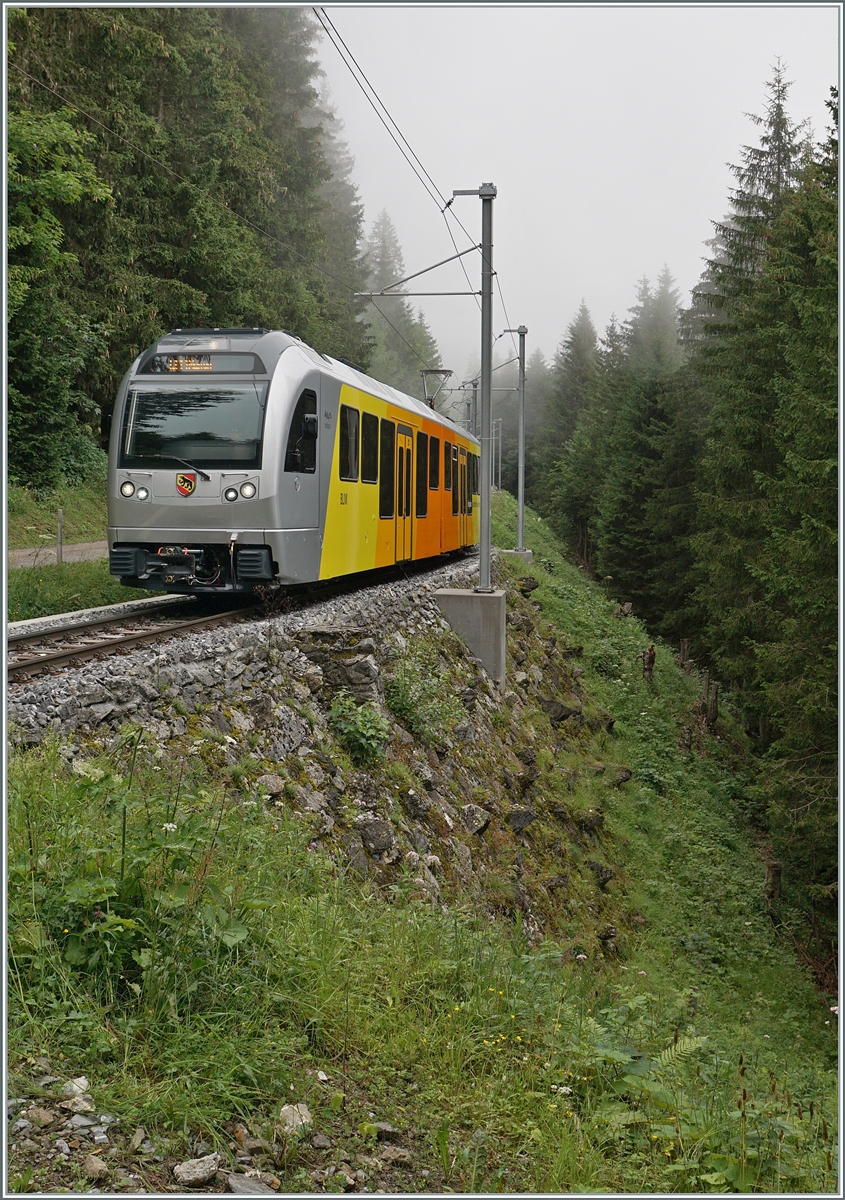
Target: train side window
<point>455,479</point>
<point>447,465</point>
<point>434,464</point>
<point>348,460</point>
<point>301,453</point>
<point>422,474</point>
<point>369,448</point>
<point>387,469</point>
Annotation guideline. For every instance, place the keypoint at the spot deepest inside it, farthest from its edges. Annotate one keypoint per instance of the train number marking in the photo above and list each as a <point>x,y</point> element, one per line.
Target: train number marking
<point>344,497</point>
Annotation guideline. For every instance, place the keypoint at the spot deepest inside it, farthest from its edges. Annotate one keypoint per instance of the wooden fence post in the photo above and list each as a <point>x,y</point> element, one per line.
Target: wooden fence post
<point>713,707</point>
<point>59,539</point>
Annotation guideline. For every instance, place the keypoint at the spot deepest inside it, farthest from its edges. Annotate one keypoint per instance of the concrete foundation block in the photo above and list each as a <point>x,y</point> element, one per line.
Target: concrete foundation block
<point>478,618</point>
<point>526,555</point>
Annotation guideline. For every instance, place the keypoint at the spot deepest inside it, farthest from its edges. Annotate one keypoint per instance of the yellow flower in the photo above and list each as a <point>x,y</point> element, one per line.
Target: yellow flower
<point>518,1038</point>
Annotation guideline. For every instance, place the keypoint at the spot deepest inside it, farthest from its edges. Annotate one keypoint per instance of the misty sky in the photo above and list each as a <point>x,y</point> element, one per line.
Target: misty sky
<point>606,130</point>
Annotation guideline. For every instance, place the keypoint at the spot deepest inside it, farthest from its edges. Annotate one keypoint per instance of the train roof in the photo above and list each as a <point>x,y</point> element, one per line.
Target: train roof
<point>270,345</point>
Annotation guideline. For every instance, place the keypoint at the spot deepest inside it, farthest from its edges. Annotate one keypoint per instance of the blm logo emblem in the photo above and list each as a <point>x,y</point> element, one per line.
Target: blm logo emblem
<point>185,484</point>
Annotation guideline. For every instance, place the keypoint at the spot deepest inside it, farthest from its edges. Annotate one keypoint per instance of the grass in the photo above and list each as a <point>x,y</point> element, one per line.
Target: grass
<point>43,591</point>
<point>235,960</point>
<point>32,516</point>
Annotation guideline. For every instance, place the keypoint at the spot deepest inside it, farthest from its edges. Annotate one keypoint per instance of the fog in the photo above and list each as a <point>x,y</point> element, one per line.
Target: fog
<point>607,131</point>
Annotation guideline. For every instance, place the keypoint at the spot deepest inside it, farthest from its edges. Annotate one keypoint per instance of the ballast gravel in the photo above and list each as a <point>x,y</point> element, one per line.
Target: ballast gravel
<point>161,682</point>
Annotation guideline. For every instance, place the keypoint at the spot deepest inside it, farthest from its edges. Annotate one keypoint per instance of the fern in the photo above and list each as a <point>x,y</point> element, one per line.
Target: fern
<point>680,1050</point>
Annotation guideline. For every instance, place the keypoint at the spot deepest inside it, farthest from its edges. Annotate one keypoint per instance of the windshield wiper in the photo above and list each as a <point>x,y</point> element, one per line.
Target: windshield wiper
<point>184,462</point>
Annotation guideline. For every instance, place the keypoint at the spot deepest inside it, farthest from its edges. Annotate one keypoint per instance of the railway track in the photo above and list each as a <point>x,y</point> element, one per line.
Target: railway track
<point>72,642</point>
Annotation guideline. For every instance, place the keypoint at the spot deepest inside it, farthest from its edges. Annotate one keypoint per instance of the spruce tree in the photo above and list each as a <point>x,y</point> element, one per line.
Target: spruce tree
<point>797,567</point>
<point>403,344</point>
<point>572,374</point>
<point>206,126</point>
<point>738,357</point>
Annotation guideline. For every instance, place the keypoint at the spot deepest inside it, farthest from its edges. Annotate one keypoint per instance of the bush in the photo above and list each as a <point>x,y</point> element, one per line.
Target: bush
<point>361,729</point>
<point>420,695</point>
<point>82,461</point>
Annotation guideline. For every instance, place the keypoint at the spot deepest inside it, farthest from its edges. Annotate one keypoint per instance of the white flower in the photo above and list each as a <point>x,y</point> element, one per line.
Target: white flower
<point>580,957</point>
<point>169,827</point>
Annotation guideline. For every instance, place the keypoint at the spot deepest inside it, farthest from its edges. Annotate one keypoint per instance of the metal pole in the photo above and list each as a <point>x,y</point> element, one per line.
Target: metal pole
<point>59,556</point>
<point>487,193</point>
<point>501,424</point>
<point>475,408</point>
<point>520,539</point>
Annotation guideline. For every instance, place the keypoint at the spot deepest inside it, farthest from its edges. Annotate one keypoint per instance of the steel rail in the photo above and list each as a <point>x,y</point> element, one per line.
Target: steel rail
<point>69,656</point>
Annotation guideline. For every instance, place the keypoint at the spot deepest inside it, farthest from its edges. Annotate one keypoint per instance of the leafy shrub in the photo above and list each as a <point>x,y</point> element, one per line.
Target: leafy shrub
<point>420,696</point>
<point>82,461</point>
<point>606,658</point>
<point>361,729</point>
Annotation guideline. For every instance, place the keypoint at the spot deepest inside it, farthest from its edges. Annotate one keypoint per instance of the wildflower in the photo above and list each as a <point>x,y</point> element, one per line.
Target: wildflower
<point>765,1035</point>
<point>834,1008</point>
<point>641,972</point>
<point>580,957</point>
<point>168,827</point>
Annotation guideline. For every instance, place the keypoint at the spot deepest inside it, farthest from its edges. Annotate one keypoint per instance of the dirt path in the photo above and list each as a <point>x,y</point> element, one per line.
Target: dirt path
<point>71,552</point>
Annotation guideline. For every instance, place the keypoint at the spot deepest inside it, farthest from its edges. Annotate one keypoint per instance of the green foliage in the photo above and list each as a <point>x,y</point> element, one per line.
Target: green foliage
<point>179,213</point>
<point>699,480</point>
<point>361,729</point>
<point>42,591</point>
<point>420,694</point>
<point>258,960</point>
<point>32,515</point>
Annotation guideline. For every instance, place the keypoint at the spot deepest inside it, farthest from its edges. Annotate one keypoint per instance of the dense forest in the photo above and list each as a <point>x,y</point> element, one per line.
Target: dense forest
<point>689,457</point>
<point>167,167</point>
<point>178,167</point>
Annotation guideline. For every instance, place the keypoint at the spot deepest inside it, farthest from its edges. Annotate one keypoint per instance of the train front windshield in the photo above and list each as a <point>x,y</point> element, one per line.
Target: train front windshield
<point>216,425</point>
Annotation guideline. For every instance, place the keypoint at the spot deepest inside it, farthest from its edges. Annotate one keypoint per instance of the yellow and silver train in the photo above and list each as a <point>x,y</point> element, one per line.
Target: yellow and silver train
<point>242,457</point>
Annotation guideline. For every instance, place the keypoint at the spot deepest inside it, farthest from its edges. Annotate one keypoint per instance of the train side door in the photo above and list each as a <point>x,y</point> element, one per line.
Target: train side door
<point>301,466</point>
<point>463,480</point>
<point>404,490</point>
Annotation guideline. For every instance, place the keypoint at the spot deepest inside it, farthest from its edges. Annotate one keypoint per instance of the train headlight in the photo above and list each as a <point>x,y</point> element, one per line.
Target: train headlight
<point>248,490</point>
<point>128,488</point>
<point>231,493</point>
<point>142,494</point>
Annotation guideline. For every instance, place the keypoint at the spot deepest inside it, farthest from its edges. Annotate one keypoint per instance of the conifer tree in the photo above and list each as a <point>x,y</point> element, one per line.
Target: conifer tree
<point>205,125</point>
<point>738,358</point>
<point>403,343</point>
<point>572,374</point>
<point>797,567</point>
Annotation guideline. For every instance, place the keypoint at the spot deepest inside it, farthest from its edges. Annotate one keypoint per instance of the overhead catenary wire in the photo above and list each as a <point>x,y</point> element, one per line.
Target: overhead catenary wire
<point>384,116</point>
<point>375,101</point>
<point>212,199</point>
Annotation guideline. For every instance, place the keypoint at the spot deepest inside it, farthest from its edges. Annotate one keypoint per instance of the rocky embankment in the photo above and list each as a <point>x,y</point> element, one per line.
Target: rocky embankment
<point>501,803</point>
<point>483,802</point>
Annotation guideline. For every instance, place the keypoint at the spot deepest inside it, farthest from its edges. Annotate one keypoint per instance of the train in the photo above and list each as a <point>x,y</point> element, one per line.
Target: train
<point>243,459</point>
